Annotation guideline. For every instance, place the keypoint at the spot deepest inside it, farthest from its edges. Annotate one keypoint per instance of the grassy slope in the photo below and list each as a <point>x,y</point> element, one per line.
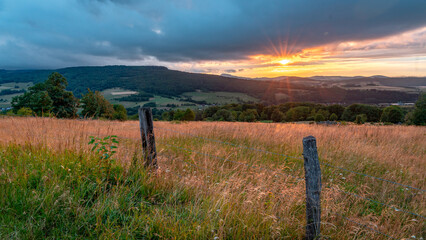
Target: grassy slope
<point>196,196</point>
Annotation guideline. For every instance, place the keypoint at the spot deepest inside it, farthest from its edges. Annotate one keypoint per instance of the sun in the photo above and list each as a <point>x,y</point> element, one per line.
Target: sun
<point>284,61</point>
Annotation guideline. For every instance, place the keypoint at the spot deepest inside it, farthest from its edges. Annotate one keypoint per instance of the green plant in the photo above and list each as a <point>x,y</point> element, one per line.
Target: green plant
<point>105,148</point>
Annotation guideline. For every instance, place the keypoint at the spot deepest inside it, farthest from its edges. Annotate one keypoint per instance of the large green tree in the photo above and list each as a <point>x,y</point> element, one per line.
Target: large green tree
<point>49,96</point>
<point>95,105</point>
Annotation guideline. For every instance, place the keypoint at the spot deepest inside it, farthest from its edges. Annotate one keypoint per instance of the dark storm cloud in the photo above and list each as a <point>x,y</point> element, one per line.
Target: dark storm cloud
<point>56,33</point>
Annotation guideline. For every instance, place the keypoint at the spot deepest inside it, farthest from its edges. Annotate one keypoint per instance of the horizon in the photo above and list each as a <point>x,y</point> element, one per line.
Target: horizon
<point>243,39</point>
<point>217,74</point>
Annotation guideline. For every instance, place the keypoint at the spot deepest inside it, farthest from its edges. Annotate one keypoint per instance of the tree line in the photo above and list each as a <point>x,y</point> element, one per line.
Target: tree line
<point>293,112</point>
<point>50,98</point>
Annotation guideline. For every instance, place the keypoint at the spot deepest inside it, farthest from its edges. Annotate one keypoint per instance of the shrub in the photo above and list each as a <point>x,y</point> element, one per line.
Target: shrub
<point>333,117</point>
<point>392,114</point>
<point>360,119</point>
<point>277,116</point>
<point>25,112</point>
<point>319,117</point>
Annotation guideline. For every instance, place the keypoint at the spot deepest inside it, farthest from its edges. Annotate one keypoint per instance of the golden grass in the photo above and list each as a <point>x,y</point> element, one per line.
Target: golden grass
<point>258,201</point>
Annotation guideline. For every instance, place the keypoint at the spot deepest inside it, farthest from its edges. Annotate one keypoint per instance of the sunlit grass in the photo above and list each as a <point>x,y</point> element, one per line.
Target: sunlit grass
<point>207,197</point>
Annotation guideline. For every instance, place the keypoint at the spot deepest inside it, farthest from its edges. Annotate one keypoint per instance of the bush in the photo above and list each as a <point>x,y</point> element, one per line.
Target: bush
<point>277,116</point>
<point>319,117</point>
<point>25,112</point>
<point>120,113</point>
<point>392,114</point>
<point>333,117</point>
<point>223,115</point>
<point>360,119</point>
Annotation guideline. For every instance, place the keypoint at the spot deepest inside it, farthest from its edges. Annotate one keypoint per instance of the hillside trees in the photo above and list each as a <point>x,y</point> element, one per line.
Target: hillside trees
<point>50,96</point>
<point>419,114</point>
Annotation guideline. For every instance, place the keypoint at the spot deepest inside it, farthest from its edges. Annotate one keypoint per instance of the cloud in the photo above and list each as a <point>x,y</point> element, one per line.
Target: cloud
<point>59,33</point>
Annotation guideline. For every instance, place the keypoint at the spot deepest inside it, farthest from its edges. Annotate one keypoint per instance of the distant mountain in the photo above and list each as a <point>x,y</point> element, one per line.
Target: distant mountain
<point>165,82</point>
<point>333,78</point>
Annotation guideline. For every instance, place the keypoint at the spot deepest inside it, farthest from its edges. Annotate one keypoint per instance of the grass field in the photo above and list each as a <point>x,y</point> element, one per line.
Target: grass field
<point>53,186</point>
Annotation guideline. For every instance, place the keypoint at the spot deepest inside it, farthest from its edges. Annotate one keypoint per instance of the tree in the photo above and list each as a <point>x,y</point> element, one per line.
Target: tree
<point>373,113</point>
<point>319,117</point>
<point>49,96</point>
<point>333,117</point>
<point>188,115</point>
<point>120,112</point>
<point>300,113</point>
<point>249,115</point>
<point>277,115</point>
<point>392,114</point>
<point>419,114</point>
<point>223,115</point>
<point>95,105</point>
<point>360,119</point>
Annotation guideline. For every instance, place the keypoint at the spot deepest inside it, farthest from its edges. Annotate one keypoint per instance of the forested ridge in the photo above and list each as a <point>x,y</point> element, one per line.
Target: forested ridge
<point>162,81</point>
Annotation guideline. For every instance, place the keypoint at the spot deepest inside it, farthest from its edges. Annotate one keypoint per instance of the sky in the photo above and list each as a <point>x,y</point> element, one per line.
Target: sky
<point>255,38</point>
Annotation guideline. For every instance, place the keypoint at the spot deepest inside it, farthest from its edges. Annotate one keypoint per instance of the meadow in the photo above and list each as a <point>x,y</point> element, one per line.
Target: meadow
<point>210,183</point>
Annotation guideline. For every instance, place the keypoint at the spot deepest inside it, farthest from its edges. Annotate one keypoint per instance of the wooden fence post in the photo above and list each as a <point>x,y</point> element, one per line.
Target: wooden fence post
<point>147,135</point>
<point>313,187</point>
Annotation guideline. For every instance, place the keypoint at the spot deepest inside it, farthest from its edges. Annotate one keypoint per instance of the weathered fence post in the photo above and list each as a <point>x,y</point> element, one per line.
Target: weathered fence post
<point>147,135</point>
<point>313,188</point>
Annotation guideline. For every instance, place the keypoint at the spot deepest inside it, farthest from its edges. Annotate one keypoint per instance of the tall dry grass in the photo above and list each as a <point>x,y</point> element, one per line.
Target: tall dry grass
<point>266,199</point>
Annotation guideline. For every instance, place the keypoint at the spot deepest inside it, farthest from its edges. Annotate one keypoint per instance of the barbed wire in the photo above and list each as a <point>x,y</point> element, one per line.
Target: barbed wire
<point>365,226</point>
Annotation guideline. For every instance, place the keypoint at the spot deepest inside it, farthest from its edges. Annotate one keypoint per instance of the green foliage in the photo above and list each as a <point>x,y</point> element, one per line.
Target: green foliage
<point>95,105</point>
<point>223,115</point>
<point>165,116</point>
<point>319,117</point>
<point>392,114</point>
<point>277,115</point>
<point>249,115</point>
<point>120,113</point>
<point>360,119</point>
<point>11,91</point>
<point>333,117</point>
<point>373,113</point>
<point>300,113</point>
<point>150,104</point>
<point>49,96</point>
<point>105,148</point>
<point>419,114</point>
<point>25,112</point>
<point>188,115</point>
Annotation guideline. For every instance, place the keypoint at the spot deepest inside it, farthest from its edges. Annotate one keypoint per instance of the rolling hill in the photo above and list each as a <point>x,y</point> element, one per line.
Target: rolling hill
<point>164,82</point>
